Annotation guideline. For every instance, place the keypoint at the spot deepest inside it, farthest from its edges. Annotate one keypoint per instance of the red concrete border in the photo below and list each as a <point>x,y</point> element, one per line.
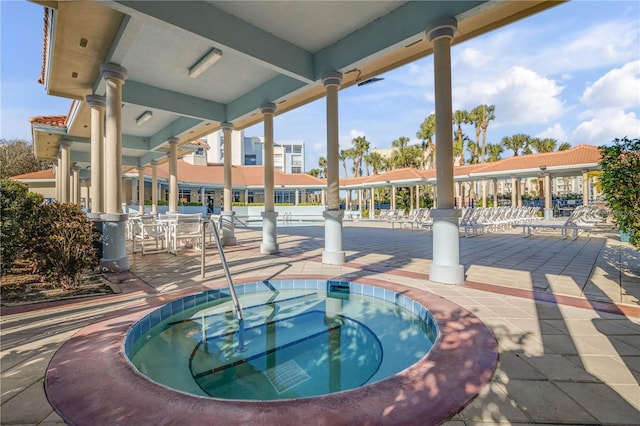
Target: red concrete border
<point>89,380</point>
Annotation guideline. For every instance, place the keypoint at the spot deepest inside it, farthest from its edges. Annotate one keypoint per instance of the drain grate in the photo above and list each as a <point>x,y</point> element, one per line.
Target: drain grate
<point>287,375</point>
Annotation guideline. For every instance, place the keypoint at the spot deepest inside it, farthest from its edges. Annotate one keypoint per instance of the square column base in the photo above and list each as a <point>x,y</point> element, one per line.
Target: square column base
<point>446,274</point>
<point>333,257</point>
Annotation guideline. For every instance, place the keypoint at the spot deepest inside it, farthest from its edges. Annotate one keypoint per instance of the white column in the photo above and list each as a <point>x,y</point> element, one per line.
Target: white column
<point>154,187</point>
<point>141,189</point>
<point>59,176</point>
<point>446,266</point>
<point>548,197</point>
<point>417,196</point>
<point>65,170</point>
<point>97,104</point>
<point>173,174</point>
<point>483,184</point>
<point>114,221</point>
<point>333,253</point>
<point>228,229</point>
<point>393,198</point>
<point>372,203</point>
<point>514,192</point>
<point>269,216</point>
<point>75,185</point>
<point>495,193</point>
<point>585,187</point>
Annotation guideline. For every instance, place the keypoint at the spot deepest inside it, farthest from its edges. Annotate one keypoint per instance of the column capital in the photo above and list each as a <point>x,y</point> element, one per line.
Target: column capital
<point>268,108</point>
<point>140,168</point>
<point>96,101</point>
<point>445,27</point>
<point>114,71</point>
<point>154,162</point>
<point>332,78</point>
<point>65,143</point>
<point>226,127</point>
<point>173,141</point>
<point>75,168</point>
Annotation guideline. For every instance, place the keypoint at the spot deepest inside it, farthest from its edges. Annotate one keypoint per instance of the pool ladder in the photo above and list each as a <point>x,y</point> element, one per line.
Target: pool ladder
<point>225,266</point>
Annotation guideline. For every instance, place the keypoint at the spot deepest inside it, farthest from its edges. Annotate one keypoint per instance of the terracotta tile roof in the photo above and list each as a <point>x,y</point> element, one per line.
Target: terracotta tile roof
<point>40,174</point>
<point>242,176</point>
<point>51,120</point>
<point>581,154</point>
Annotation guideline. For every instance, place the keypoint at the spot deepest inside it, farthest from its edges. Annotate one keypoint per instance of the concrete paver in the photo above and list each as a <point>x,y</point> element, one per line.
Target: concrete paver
<point>559,362</point>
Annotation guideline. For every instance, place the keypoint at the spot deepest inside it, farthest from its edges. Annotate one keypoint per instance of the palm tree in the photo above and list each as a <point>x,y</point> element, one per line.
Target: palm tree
<point>458,149</point>
<point>516,143</point>
<point>495,151</point>
<point>564,146</point>
<point>405,155</point>
<point>346,154</point>
<point>425,134</point>
<point>322,162</point>
<point>476,117</point>
<point>376,161</point>
<point>360,149</point>
<point>460,117</point>
<point>543,145</point>
<point>487,116</point>
<point>315,172</point>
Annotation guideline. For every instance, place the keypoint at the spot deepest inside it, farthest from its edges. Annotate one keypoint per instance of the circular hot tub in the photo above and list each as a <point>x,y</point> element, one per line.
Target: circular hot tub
<point>91,380</point>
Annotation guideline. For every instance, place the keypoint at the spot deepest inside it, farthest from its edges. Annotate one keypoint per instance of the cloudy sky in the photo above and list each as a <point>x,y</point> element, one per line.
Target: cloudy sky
<point>571,73</point>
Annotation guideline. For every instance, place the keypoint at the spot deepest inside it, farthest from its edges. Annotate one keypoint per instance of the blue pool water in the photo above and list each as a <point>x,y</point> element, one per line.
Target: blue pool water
<point>300,338</point>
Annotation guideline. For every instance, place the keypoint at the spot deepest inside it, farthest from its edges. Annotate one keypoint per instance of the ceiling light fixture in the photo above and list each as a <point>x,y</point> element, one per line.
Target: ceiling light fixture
<point>371,80</point>
<point>205,62</point>
<point>144,117</point>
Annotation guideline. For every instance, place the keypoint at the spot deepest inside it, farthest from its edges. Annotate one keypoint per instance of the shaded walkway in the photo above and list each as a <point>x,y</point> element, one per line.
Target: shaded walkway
<point>558,363</point>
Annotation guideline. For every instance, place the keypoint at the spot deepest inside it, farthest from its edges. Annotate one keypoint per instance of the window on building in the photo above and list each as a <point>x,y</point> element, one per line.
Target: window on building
<point>297,149</point>
<point>250,160</point>
<point>295,169</point>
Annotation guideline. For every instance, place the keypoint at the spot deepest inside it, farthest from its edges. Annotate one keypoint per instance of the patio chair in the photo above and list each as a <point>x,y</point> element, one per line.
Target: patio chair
<point>145,229</point>
<point>185,229</point>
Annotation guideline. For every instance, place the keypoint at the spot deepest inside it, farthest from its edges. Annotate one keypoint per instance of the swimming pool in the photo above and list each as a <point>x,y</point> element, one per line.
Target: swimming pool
<point>299,338</point>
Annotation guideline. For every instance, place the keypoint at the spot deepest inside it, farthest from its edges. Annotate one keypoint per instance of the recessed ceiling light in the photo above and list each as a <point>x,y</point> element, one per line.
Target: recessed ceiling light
<point>210,58</point>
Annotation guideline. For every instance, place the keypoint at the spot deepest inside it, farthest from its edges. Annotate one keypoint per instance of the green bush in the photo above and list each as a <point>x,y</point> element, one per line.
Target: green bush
<point>620,164</point>
<point>62,244</point>
<point>18,213</point>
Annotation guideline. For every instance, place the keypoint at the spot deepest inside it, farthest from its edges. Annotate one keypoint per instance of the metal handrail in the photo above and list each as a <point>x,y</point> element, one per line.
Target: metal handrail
<point>225,266</point>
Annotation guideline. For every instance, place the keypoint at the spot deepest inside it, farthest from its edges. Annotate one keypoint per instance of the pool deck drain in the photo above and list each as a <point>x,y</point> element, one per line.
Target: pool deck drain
<point>286,376</point>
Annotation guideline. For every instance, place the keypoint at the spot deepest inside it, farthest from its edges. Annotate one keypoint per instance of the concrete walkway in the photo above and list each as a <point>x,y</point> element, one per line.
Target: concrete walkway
<point>566,314</point>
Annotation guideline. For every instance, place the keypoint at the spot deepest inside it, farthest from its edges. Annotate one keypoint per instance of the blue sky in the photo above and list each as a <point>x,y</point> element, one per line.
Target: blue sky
<point>571,73</point>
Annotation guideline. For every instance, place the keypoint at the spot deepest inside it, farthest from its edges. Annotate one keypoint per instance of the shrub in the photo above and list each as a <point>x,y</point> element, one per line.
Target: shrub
<point>62,245</point>
<point>620,176</point>
<point>18,211</point>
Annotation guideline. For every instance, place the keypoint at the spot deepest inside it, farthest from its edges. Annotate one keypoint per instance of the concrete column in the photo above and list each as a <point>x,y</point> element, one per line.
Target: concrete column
<point>333,253</point>
<point>297,200</point>
<point>173,174</point>
<point>141,189</point>
<point>393,198</point>
<point>518,192</point>
<point>114,221</point>
<point>65,171</point>
<point>75,185</point>
<point>514,192</point>
<point>97,104</point>
<point>59,176</point>
<point>154,187</point>
<point>269,216</point>
<point>372,203</point>
<point>228,226</point>
<point>483,185</point>
<point>446,266</point>
<point>548,197</point>
<point>323,197</point>
<point>417,196</point>
<point>495,193</point>
<point>585,187</point>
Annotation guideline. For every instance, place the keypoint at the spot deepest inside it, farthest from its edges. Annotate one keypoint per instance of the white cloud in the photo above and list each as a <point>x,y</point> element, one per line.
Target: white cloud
<point>474,58</point>
<point>607,125</point>
<point>619,88</point>
<point>555,132</point>
<point>519,94</point>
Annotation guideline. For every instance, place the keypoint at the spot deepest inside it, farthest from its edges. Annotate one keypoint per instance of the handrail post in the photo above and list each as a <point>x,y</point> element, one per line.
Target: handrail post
<point>202,244</point>
<point>236,304</point>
